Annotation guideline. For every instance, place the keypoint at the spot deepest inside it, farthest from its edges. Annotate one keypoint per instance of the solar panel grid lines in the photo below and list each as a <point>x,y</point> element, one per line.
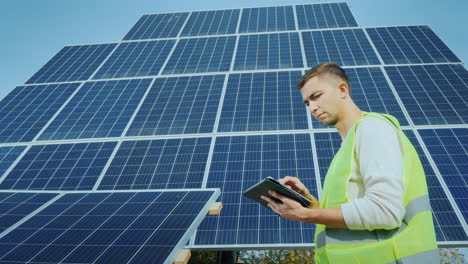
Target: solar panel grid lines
<point>332,15</point>
<point>192,53</point>
<point>115,226</point>
<point>428,100</point>
<point>315,154</point>
<point>106,166</point>
<point>9,157</point>
<point>133,59</point>
<point>262,101</point>
<point>345,47</point>
<point>59,167</point>
<point>410,44</point>
<point>179,105</point>
<point>163,27</point>
<point>99,109</point>
<point>267,19</point>
<point>158,164</point>
<point>57,113</point>
<point>447,150</point>
<point>448,226</point>
<point>137,109</point>
<point>203,23</point>
<point>282,51</point>
<point>26,109</point>
<point>15,208</point>
<point>73,63</point>
<point>440,44</point>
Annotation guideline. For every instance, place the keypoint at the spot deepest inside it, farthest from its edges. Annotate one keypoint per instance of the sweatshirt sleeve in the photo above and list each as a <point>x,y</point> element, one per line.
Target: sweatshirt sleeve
<point>381,166</point>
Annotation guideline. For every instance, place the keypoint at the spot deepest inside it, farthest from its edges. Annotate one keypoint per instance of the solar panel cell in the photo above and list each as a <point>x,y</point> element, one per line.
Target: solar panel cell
<point>99,109</point>
<point>345,47</point>
<point>262,101</point>
<point>73,63</point>
<point>432,94</point>
<point>201,55</point>
<point>217,22</point>
<point>59,167</point>
<point>27,109</point>
<point>268,51</point>
<point>157,26</point>
<point>132,59</point>
<point>158,164</point>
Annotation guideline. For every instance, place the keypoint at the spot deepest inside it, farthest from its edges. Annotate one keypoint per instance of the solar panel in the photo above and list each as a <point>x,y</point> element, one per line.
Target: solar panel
<point>59,167</point>
<point>124,227</point>
<point>449,149</point>
<point>157,26</point>
<point>239,162</point>
<point>321,16</point>
<point>132,59</point>
<point>345,47</point>
<point>262,101</point>
<point>432,94</point>
<point>268,51</point>
<point>217,22</point>
<point>278,18</point>
<point>371,92</point>
<point>179,105</point>
<point>99,109</point>
<point>8,155</point>
<point>26,110</point>
<point>15,206</point>
<point>73,63</point>
<point>410,44</point>
<point>158,164</point>
<point>447,225</point>
<point>201,55</point>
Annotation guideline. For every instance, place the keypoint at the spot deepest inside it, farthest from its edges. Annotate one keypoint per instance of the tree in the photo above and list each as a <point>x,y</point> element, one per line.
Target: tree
<point>451,256</point>
<point>289,256</point>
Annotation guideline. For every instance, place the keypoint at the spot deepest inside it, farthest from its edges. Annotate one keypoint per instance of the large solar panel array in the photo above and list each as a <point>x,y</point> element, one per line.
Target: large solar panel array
<point>208,99</point>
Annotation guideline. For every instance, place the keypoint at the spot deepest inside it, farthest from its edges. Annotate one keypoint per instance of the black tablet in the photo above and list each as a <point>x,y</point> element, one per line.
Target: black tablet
<point>269,183</point>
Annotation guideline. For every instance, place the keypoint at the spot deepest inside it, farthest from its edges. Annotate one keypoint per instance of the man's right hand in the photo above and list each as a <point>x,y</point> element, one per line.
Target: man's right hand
<point>295,184</point>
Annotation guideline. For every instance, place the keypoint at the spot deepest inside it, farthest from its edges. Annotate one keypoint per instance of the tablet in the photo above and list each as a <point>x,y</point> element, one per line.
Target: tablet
<point>269,183</point>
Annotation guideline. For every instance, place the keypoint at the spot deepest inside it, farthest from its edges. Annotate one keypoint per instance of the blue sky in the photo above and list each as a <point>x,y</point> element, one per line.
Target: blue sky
<point>33,31</point>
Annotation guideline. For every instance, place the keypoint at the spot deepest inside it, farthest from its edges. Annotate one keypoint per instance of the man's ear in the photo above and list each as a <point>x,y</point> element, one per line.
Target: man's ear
<point>343,89</point>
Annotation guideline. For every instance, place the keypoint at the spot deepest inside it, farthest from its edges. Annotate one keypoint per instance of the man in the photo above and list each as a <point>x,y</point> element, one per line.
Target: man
<point>374,206</point>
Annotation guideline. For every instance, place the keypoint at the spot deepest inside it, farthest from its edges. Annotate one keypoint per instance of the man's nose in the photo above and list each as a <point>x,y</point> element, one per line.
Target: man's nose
<point>312,107</point>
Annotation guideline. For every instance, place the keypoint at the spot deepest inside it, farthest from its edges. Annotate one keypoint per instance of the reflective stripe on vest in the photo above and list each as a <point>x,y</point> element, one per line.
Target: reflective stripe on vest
<point>344,235</point>
<point>419,258</point>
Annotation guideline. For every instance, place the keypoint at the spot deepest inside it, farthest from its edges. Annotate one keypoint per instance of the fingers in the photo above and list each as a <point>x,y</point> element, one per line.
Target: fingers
<point>295,184</point>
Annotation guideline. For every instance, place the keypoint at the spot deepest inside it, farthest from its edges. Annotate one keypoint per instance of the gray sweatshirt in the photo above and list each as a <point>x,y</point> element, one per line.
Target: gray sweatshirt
<point>376,185</point>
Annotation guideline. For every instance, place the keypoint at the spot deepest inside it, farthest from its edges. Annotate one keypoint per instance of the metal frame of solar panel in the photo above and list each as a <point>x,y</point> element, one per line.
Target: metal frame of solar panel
<point>390,68</point>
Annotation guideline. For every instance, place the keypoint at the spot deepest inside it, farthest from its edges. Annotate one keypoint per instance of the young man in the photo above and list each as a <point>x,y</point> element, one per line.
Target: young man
<point>374,206</point>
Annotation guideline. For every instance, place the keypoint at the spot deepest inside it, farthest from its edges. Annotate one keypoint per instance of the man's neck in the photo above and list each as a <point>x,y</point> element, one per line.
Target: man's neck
<point>347,120</point>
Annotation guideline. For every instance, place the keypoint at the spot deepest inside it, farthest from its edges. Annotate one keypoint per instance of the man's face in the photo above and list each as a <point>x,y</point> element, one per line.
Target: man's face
<point>323,97</point>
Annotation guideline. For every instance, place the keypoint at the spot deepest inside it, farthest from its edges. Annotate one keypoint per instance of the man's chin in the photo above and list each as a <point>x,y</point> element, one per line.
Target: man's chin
<point>327,122</point>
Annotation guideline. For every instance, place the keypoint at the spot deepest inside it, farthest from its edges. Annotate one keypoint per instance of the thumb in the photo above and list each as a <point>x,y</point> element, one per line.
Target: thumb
<point>315,203</point>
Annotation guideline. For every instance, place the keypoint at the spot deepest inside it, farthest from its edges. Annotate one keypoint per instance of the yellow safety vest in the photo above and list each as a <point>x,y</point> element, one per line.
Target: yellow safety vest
<point>413,242</point>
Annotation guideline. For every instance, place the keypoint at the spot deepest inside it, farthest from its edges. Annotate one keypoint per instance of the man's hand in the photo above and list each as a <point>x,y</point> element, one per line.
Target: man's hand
<point>289,209</point>
<point>295,184</point>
